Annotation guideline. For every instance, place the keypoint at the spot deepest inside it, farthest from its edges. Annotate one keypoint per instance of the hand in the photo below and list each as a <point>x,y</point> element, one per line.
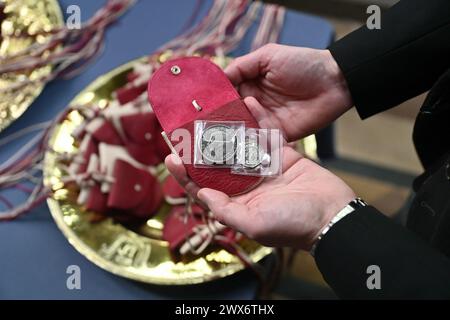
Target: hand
<point>290,210</point>
<point>301,90</point>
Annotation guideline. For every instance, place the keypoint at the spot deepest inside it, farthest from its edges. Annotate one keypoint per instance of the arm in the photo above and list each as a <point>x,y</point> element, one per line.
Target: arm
<point>401,60</point>
<point>302,90</point>
<point>293,209</point>
<point>409,267</point>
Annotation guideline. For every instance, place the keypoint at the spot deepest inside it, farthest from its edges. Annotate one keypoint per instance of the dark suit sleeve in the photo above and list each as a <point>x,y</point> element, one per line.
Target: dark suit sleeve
<point>409,268</point>
<point>401,60</point>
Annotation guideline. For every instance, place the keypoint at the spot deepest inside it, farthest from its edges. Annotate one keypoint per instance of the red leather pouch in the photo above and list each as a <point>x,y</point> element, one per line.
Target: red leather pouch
<point>178,226</point>
<point>134,190</point>
<point>188,89</point>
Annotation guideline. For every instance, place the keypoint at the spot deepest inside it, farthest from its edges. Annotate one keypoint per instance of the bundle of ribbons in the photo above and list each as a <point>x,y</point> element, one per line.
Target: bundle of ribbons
<point>120,150</point>
<point>66,50</point>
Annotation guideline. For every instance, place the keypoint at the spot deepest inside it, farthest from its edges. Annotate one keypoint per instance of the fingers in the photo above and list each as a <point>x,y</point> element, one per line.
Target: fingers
<point>225,210</point>
<point>250,89</point>
<point>290,155</point>
<point>260,113</point>
<point>176,168</point>
<point>246,67</point>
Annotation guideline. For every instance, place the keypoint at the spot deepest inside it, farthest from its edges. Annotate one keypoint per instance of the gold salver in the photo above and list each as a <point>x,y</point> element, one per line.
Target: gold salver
<point>137,253</point>
<point>29,16</point>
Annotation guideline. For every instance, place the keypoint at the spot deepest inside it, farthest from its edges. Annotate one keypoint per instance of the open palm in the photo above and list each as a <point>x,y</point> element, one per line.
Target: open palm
<point>289,210</point>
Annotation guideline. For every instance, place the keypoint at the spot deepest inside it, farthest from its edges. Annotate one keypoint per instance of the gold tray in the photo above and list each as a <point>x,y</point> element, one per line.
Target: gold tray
<point>31,15</point>
<point>138,254</point>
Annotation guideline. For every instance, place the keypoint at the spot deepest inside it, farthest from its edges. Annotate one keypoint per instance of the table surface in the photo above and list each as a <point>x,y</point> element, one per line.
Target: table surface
<point>34,255</point>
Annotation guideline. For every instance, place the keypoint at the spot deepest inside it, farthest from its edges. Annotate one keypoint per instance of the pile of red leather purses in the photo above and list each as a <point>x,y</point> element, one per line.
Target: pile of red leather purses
<point>190,229</point>
<point>120,147</point>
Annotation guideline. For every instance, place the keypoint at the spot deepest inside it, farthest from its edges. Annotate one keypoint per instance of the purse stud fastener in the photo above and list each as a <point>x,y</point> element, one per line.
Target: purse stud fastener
<point>176,70</point>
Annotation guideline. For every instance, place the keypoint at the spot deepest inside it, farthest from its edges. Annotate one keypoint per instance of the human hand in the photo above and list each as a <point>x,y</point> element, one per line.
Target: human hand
<point>289,210</point>
<point>301,90</point>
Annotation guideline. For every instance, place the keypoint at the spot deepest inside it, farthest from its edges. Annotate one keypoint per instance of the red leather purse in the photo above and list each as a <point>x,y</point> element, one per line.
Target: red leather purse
<point>134,191</point>
<point>188,89</point>
<point>174,194</point>
<point>178,226</point>
<point>189,232</point>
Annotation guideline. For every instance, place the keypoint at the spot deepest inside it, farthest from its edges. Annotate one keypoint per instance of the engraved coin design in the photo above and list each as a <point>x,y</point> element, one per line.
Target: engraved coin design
<point>218,144</point>
<point>253,153</point>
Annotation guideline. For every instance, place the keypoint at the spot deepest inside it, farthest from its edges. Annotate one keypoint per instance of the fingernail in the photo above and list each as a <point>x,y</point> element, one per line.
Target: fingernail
<point>176,159</point>
<point>203,195</point>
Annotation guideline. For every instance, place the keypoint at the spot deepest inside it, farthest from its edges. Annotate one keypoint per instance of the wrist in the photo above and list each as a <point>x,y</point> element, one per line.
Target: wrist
<point>330,207</point>
<point>348,209</point>
<point>337,77</point>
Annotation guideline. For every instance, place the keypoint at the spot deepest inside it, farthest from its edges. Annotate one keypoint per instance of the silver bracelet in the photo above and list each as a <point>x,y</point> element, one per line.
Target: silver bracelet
<point>352,206</point>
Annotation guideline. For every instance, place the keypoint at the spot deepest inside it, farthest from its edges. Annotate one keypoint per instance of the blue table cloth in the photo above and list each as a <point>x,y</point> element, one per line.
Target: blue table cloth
<point>34,255</point>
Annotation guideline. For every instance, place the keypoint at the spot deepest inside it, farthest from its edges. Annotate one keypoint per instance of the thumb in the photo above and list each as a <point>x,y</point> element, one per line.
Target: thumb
<point>244,68</point>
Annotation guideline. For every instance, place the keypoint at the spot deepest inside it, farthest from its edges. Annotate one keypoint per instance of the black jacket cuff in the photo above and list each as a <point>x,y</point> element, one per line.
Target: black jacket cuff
<point>401,60</point>
<point>409,267</point>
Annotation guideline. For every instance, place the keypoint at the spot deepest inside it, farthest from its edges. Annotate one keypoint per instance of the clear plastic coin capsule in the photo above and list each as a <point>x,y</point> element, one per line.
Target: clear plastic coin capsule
<point>228,144</point>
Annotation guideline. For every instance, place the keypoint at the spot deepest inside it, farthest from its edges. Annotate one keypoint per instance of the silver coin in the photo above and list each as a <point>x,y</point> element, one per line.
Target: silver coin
<point>218,144</point>
<point>254,154</point>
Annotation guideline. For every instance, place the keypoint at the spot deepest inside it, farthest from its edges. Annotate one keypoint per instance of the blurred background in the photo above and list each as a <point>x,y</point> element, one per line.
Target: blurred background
<point>378,164</point>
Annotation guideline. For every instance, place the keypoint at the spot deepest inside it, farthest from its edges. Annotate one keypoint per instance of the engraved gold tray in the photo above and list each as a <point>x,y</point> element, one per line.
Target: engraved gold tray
<point>138,254</point>
<point>31,16</point>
